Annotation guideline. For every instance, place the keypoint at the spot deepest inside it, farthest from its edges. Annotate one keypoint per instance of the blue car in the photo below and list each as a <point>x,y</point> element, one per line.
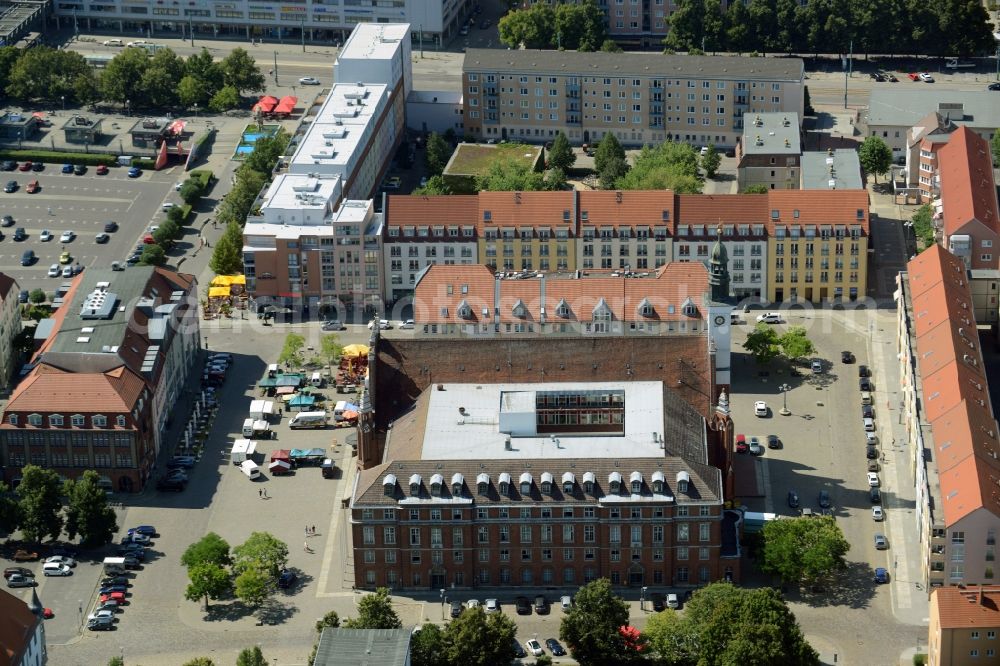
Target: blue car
<point>67,168</point>
<point>134,172</point>
<point>108,589</point>
<point>881,575</point>
<point>148,530</point>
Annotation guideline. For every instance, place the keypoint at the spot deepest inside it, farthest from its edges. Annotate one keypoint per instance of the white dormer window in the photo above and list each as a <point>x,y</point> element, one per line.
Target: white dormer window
<point>99,420</point>
<point>519,310</point>
<point>635,483</point>
<point>547,483</point>
<point>689,308</point>
<point>589,481</point>
<point>77,420</point>
<point>526,483</point>
<point>504,484</point>
<point>683,479</point>
<point>457,483</point>
<point>645,308</point>
<point>568,481</point>
<point>415,485</point>
<point>436,482</point>
<point>601,311</point>
<point>464,311</point>
<point>56,420</point>
<point>389,485</point>
<point>614,483</point>
<point>562,309</point>
<point>121,421</point>
<point>35,419</point>
<point>658,482</point>
<point>12,419</point>
<point>483,484</point>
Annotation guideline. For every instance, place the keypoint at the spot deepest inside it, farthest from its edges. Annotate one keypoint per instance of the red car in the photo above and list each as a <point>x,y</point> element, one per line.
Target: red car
<point>741,444</point>
<point>148,240</point>
<point>25,167</point>
<point>33,187</point>
<point>102,169</point>
<point>117,596</point>
<point>914,76</point>
<point>47,613</point>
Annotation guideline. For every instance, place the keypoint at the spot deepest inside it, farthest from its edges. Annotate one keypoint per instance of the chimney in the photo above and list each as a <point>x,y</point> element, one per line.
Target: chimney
<point>980,594</point>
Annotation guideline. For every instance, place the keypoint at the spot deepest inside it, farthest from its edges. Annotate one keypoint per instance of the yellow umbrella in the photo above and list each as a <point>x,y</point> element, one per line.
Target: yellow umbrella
<point>353,351</point>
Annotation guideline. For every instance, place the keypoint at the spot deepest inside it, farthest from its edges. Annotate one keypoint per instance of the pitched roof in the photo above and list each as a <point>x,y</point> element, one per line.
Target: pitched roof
<point>629,63</point>
<point>954,385</point>
<point>49,389</point>
<point>363,647</point>
<point>7,285</point>
<point>526,209</point>
<point>818,207</point>
<point>17,625</point>
<point>458,209</point>
<point>603,208</point>
<point>968,192</point>
<point>712,209</point>
<point>962,607</point>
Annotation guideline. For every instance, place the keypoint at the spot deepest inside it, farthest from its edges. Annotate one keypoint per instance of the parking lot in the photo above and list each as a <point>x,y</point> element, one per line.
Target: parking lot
<point>81,204</point>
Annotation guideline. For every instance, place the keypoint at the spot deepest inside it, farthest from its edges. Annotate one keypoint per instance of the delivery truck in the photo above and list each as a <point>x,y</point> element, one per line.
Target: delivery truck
<point>257,429</point>
<point>262,410</point>
<point>308,420</point>
<point>243,450</point>
<point>251,469</point>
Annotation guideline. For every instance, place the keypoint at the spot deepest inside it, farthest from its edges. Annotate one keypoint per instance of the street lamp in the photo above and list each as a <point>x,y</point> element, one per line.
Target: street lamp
<point>442,603</point>
<point>196,109</point>
<point>784,388</point>
<point>642,598</point>
<point>127,111</point>
<point>63,98</point>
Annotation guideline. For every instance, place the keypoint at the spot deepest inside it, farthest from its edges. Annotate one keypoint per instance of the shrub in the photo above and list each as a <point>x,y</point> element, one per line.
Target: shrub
<point>57,157</point>
<point>204,176</point>
<point>144,163</point>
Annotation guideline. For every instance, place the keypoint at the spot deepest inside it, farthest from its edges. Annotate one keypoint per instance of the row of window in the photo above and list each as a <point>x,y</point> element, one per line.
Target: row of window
<point>487,555</point>
<point>63,459</point>
<point>527,532</point>
<point>681,576</point>
<point>621,82</point>
<point>527,513</point>
<point>76,420</point>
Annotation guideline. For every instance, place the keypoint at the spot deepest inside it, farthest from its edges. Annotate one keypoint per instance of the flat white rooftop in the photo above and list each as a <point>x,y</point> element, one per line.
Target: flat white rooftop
<point>351,211</point>
<point>340,129</point>
<point>374,41</point>
<point>474,432</point>
<point>302,191</point>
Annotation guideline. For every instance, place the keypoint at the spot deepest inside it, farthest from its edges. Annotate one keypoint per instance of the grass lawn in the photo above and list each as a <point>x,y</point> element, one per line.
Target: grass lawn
<point>471,159</point>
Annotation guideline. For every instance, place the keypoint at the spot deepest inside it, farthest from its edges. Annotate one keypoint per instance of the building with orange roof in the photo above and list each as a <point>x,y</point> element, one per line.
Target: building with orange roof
<point>952,432</point>
<point>105,382</point>
<point>22,633</point>
<point>10,326</point>
<point>964,625</point>
<point>968,224</point>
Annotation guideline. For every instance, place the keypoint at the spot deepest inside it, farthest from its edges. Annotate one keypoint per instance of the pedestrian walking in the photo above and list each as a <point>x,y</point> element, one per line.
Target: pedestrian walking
<point>314,530</point>
<point>307,530</point>
<point>265,492</point>
<point>260,494</point>
<point>305,546</point>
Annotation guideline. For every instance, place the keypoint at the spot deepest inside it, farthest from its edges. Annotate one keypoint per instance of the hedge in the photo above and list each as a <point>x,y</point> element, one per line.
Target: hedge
<point>144,163</point>
<point>55,157</point>
<point>204,177</point>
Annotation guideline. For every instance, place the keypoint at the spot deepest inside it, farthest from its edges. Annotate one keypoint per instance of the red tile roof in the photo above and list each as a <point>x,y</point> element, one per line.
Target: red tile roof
<point>459,209</point>
<point>48,389</point>
<point>17,626</point>
<point>628,208</point>
<point>714,209</point>
<point>818,207</point>
<point>967,606</point>
<point>955,396</point>
<point>968,192</point>
<point>526,209</point>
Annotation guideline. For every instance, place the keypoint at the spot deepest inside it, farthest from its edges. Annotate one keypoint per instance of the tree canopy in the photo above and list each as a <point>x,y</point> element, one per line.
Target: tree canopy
<point>724,624</point>
<point>762,343</point>
<point>561,155</point>
<point>241,73</point>
<point>711,161</point>
<point>375,612</point>
<point>803,550</point>
<point>261,552</point>
<point>571,26</point>
<point>591,627</point>
<point>510,175</point>
<point>40,503</point>
<point>875,156</point>
<point>87,511</point>
<point>208,580</point>
<point>227,255</point>
<point>210,549</point>
<point>436,154</point>
<point>795,343</point>
<point>668,166</point>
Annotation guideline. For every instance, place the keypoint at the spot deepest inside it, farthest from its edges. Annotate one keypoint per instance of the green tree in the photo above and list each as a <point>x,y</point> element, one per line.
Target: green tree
<point>561,154</point>
<point>436,186</point>
<point>38,312</point>
<point>687,25</point>
<point>177,215</point>
<point>375,612</point>
<point>253,587</point>
<point>614,170</point>
<point>544,660</point>
<point>807,102</point>
<point>206,71</point>
<point>190,91</point>
<point>121,80</point>
<point>266,152</point>
<point>227,98</point>
<point>607,149</point>
<point>428,645</point>
<point>37,296</point>
<point>331,620</point>
<point>666,632</point>
<point>875,156</point>
<point>579,26</point>
<point>590,628</point>
<point>764,24</point>
<point>710,161</point>
<point>191,190</point>
<point>714,31</point>
<point>40,503</point>
<point>236,205</point>
<point>209,580</point>
<point>995,146</point>
<point>165,234</point>
<point>262,551</point>
<point>668,166</point>
<point>436,154</point>
<point>330,348</point>
<point>737,31</point>
<point>795,343</point>
<point>210,549</point>
<point>531,27</point>
<point>555,179</point>
<point>610,46</point>
<point>199,661</point>
<point>803,550</point>
<point>227,256</point>
<point>8,58</point>
<point>87,512</point>
<point>251,656</point>
<point>762,343</point>
<point>291,352</point>
<point>10,510</point>
<point>153,255</point>
<point>160,80</point>
<point>510,175</point>
<point>755,189</point>
<point>240,71</point>
<point>116,661</point>
<point>923,227</point>
<point>477,639</point>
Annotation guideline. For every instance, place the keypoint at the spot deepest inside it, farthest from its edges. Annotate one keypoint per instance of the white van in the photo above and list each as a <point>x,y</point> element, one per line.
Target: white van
<point>316,380</point>
<point>243,450</point>
<point>339,409</point>
<point>251,469</point>
<point>256,429</point>
<point>308,420</point>
<point>114,565</point>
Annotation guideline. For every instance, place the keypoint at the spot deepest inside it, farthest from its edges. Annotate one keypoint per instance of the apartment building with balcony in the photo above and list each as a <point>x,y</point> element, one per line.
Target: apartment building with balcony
<point>964,625</point>
<point>818,245</point>
<point>769,152</point>
<point>531,95</point>
<point>951,428</point>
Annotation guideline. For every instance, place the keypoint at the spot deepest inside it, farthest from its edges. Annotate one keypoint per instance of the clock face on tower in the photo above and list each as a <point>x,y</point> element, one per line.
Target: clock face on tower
<point>720,320</point>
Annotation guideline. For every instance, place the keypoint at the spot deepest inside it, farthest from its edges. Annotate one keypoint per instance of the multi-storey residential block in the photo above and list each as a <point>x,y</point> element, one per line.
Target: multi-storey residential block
<point>964,624</point>
<point>641,98</point>
<point>968,225</point>
<point>316,241</point>
<point>769,152</point>
<point>10,326</point>
<point>550,462</point>
<point>818,247</point>
<point>433,21</point>
<point>106,379</point>
<point>951,429</point>
<point>628,231</point>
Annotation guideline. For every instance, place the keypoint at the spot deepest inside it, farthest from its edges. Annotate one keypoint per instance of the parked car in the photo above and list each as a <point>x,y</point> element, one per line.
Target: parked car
<point>27,259</point>
<point>881,575</point>
<point>148,530</point>
<point>925,77</point>
<point>881,543</point>
<point>67,168</point>
<point>66,237</point>
<point>793,499</point>
<point>659,601</point>
<point>519,652</point>
<point>846,357</point>
<point>755,448</point>
<point>455,607</point>
<point>875,495</point>
<point>877,514</point>
<point>9,165</point>
<point>534,647</point>
<point>33,187</point>
<point>993,86</point>
<point>871,452</point>
<point>22,296</point>
<point>773,442</point>
<point>383,324</point>
<point>113,42</point>
<point>19,234</point>
<point>542,605</point>
<point>101,170</point>
<point>869,424</point>
<point>23,571</point>
<point>566,603</point>
<point>134,172</point>
<point>492,606</point>
<point>79,169</point>
<point>65,257</point>
<point>523,606</point>
<point>673,602</point>
<point>175,485</point>
<point>333,325</point>
<point>7,221</point>
<point>117,596</point>
<point>55,569</point>
<point>873,479</point>
<point>61,559</point>
<point>108,589</point>
<point>741,443</point>
<point>286,579</point>
<point>110,227</point>
<point>186,462</point>
<point>873,466</point>
<point>101,624</point>
<point>25,556</point>
<point>824,499</point>
<point>816,366</point>
<point>863,371</point>
<point>769,318</point>
<point>116,580</point>
<point>865,384</point>
<point>760,408</point>
<point>867,412</point>
<point>25,167</point>
<point>406,324</point>
<point>554,647</point>
<point>20,580</point>
<point>309,81</point>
